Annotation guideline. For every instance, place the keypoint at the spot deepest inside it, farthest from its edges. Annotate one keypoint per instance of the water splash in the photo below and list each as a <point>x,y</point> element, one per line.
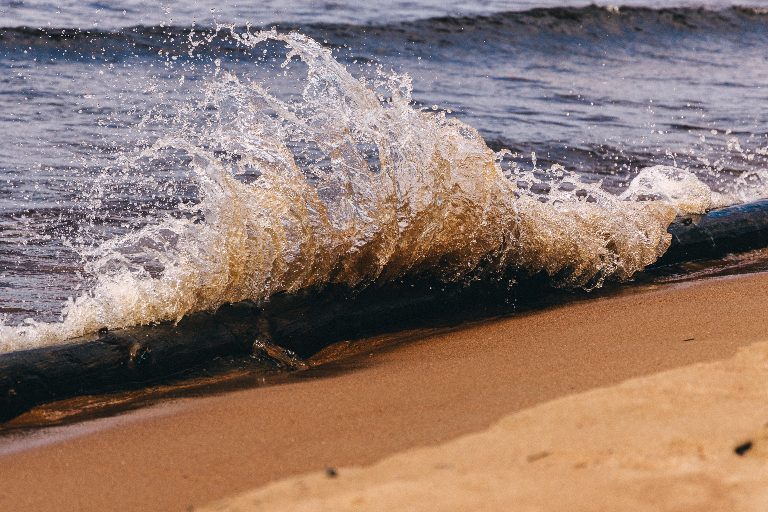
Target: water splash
<point>354,186</point>
<point>679,188</point>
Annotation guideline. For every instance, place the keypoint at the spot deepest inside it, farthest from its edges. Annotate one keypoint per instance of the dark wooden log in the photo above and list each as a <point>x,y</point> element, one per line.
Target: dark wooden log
<point>733,229</point>
<point>123,358</point>
<point>305,322</point>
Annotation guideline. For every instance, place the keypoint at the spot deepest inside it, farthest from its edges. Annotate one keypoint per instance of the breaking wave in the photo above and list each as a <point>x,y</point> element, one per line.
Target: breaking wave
<point>354,186</point>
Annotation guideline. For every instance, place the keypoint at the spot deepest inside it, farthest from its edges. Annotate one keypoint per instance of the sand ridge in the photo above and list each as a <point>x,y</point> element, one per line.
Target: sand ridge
<point>694,438</point>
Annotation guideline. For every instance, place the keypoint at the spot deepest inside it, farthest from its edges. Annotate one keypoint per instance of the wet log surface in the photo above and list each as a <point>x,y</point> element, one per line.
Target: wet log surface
<point>734,229</point>
<point>290,327</point>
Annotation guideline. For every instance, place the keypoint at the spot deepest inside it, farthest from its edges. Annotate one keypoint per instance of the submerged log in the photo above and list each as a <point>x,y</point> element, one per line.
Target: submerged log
<point>289,327</point>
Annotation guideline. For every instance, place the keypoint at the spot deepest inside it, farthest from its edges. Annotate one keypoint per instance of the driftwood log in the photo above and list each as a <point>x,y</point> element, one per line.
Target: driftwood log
<point>728,230</point>
<point>289,327</point>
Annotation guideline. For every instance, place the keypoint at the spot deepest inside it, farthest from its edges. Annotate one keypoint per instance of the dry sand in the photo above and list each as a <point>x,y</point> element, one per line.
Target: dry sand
<point>691,439</point>
<point>645,443</point>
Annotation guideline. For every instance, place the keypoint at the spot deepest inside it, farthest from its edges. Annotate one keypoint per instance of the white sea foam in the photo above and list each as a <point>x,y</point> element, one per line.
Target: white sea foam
<point>434,200</point>
<point>687,194</point>
<point>749,186</point>
<point>678,188</point>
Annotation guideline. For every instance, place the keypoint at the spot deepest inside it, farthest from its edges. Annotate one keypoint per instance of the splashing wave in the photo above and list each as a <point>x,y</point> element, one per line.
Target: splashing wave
<point>354,187</point>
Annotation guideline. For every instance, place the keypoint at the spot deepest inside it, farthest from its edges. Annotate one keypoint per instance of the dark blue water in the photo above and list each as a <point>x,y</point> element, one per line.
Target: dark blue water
<point>602,91</point>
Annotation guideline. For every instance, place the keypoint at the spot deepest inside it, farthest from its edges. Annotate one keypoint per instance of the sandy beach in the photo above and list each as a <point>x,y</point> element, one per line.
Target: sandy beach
<point>694,438</point>
<point>459,414</point>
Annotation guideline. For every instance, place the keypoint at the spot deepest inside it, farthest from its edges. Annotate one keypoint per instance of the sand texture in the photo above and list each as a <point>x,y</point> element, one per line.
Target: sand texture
<point>643,444</point>
<point>694,438</point>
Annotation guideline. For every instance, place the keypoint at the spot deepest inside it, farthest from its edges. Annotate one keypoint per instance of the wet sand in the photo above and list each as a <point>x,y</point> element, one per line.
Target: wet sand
<point>427,392</point>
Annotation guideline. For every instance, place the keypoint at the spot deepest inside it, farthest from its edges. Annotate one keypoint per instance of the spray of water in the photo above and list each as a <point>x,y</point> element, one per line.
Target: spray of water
<point>354,186</point>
